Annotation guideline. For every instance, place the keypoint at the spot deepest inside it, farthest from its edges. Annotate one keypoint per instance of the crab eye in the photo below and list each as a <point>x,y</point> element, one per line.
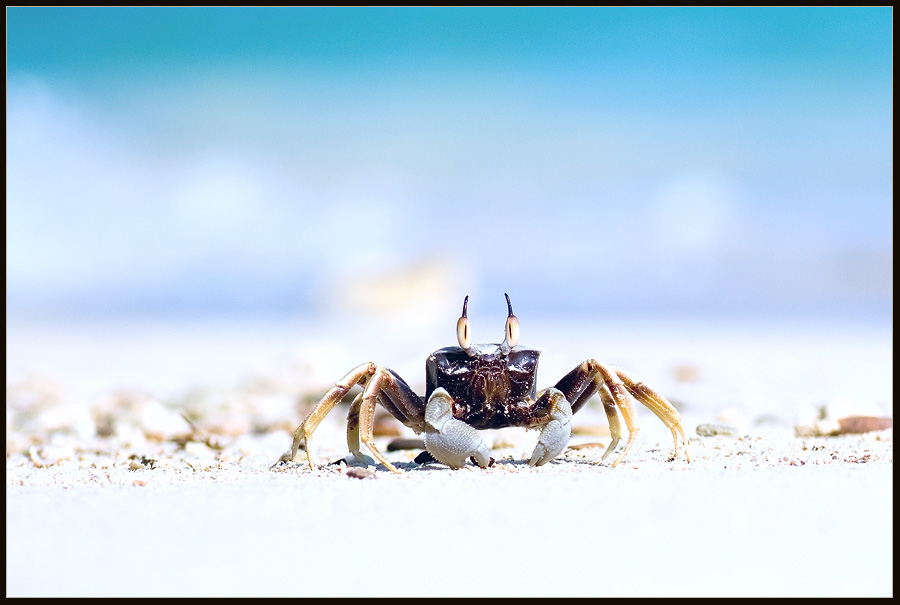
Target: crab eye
<point>462,333</point>
<point>512,325</point>
<point>462,328</point>
<point>512,330</point>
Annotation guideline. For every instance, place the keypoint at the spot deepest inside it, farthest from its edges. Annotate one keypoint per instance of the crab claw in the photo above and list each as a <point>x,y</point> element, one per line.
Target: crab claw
<point>555,434</point>
<point>449,440</point>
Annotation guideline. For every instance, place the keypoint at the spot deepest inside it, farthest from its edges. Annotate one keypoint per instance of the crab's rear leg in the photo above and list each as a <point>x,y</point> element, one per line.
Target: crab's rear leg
<point>660,406</point>
<point>612,415</point>
<point>616,388</point>
<point>591,377</point>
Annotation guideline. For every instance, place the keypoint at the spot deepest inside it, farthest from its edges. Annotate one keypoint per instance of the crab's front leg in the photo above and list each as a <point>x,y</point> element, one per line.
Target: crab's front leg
<point>356,456</point>
<point>557,430</point>
<point>361,374</point>
<point>380,385</point>
<point>449,440</point>
<point>388,389</point>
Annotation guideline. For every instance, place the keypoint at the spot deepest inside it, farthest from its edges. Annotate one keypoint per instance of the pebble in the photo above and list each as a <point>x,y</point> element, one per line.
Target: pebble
<point>360,473</point>
<point>406,444</point>
<point>864,424</point>
<point>387,427</point>
<point>713,430</point>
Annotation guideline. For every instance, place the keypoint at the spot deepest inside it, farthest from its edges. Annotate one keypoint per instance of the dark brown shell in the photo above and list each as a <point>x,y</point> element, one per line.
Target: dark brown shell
<point>489,389</point>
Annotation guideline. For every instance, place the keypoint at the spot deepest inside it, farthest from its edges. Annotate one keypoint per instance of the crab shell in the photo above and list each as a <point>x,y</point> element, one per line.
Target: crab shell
<point>490,389</point>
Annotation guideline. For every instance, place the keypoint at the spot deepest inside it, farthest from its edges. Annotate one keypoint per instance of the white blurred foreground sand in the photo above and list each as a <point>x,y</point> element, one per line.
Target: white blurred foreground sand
<point>111,492</point>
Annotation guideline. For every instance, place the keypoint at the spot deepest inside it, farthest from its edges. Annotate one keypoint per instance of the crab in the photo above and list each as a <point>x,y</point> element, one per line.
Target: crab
<point>471,387</point>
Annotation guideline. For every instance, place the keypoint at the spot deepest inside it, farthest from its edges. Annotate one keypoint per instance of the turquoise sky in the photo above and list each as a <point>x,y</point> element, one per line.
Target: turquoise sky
<point>678,55</point>
<point>849,42</point>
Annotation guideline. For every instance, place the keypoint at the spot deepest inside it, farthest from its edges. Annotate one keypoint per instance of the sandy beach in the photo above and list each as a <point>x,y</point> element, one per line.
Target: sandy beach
<point>111,491</point>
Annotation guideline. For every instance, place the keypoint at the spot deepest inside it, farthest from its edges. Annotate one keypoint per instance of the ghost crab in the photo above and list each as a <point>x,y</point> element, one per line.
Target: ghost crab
<point>488,386</point>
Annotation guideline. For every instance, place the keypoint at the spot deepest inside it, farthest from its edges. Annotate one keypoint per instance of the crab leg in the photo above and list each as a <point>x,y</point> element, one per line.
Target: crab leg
<point>591,377</point>
<point>619,393</point>
<point>614,387</point>
<point>401,401</point>
<point>367,415</point>
<point>658,404</point>
<point>358,375</point>
<point>612,415</point>
<point>353,432</point>
<point>380,385</point>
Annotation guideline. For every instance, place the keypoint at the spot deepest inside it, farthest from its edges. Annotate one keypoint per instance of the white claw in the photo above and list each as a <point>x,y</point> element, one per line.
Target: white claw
<point>555,434</point>
<point>449,440</point>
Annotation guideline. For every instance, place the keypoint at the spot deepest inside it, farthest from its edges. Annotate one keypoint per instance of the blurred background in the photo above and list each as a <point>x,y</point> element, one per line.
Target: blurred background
<point>244,161</point>
<point>191,190</point>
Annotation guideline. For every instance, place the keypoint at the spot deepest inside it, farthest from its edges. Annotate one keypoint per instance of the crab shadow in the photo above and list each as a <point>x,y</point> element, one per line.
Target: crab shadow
<point>506,463</point>
<point>411,466</point>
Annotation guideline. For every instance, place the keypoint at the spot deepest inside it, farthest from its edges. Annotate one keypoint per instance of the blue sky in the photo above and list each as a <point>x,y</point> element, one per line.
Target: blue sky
<point>247,161</point>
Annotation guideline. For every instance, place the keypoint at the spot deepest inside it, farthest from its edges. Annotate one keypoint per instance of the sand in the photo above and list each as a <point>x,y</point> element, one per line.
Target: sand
<point>111,492</point>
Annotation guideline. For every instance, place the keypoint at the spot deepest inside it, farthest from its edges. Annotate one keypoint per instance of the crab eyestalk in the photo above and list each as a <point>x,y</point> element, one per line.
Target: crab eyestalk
<point>463,336</point>
<point>511,336</point>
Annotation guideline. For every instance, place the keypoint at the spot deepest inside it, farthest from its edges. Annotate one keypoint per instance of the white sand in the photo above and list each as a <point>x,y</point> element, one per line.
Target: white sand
<point>136,514</point>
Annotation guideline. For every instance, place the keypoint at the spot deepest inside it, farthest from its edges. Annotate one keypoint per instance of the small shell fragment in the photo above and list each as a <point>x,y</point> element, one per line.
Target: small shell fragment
<point>713,430</point>
<point>49,456</point>
<point>864,424</point>
<point>357,472</point>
